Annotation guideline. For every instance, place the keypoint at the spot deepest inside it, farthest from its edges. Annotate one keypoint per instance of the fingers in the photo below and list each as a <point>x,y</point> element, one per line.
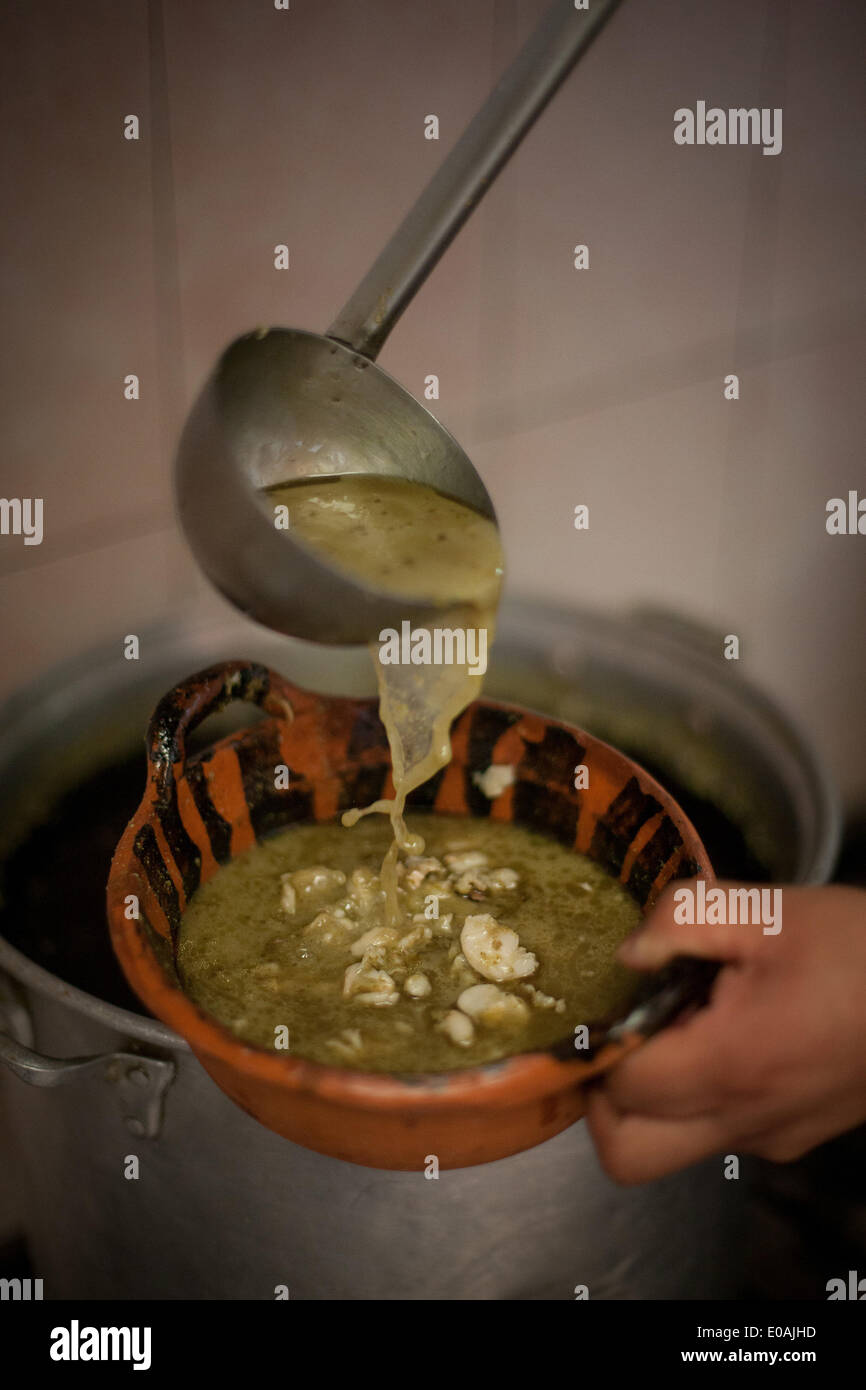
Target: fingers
<point>661,937</point>
<point>679,1074</point>
<point>640,1148</point>
<point>771,1066</point>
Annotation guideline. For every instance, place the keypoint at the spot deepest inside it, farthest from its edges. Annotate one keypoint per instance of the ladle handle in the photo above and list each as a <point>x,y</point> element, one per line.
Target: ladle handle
<point>488,142</point>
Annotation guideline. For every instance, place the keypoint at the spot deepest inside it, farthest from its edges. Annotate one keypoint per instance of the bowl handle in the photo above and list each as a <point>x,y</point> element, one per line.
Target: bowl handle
<point>207,692</point>
<point>686,982</point>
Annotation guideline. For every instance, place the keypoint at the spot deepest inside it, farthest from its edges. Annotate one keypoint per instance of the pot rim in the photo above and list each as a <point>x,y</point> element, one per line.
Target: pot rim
<point>141,1027</point>
<point>179,641</point>
<point>658,637</point>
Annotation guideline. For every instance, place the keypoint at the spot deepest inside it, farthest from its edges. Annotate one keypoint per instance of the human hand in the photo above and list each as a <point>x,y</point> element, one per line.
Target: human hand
<point>773,1065</point>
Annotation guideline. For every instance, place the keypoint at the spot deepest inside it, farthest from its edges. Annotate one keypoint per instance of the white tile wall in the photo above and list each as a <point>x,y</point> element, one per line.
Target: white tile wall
<point>601,386</point>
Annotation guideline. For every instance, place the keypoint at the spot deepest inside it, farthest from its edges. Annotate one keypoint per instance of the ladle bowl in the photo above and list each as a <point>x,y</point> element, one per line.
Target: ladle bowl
<point>285,404</point>
<point>201,811</point>
<point>281,405</point>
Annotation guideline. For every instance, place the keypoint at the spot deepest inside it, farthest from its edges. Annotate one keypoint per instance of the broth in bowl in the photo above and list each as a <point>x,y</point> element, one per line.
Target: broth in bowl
<point>504,942</point>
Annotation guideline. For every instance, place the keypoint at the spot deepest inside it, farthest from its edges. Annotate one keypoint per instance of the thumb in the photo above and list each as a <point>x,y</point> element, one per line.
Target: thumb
<point>661,936</point>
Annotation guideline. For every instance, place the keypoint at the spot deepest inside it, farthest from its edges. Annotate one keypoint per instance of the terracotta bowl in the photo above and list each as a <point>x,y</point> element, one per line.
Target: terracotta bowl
<point>200,811</point>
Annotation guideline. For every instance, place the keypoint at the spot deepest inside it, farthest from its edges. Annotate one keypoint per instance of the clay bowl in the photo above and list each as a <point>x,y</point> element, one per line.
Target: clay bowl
<point>197,813</point>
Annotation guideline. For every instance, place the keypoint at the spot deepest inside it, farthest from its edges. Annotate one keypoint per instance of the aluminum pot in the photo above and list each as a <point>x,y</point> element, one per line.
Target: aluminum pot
<point>225,1209</point>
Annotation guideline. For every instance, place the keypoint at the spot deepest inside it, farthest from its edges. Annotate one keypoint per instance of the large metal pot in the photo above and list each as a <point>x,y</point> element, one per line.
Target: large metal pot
<point>225,1209</point>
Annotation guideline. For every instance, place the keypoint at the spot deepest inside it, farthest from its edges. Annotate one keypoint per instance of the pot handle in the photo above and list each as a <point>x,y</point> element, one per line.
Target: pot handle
<point>207,692</point>
<point>140,1083</point>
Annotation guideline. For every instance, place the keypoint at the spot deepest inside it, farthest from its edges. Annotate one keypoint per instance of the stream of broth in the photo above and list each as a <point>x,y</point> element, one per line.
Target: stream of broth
<point>437,960</point>
<point>408,539</point>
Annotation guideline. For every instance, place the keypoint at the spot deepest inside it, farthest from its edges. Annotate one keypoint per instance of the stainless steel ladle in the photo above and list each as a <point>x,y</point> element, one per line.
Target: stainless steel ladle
<point>284,404</point>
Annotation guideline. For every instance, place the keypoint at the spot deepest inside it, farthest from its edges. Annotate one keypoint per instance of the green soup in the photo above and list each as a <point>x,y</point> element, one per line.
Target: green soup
<point>505,942</point>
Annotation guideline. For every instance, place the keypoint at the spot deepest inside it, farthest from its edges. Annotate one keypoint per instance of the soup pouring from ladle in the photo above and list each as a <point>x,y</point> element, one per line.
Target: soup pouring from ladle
<point>285,404</point>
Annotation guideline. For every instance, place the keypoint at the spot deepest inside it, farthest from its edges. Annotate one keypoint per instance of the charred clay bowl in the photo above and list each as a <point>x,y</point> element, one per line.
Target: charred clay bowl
<point>200,811</point>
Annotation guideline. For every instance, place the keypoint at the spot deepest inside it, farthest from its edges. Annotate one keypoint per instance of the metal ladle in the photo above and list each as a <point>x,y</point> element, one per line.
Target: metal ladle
<point>284,404</point>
